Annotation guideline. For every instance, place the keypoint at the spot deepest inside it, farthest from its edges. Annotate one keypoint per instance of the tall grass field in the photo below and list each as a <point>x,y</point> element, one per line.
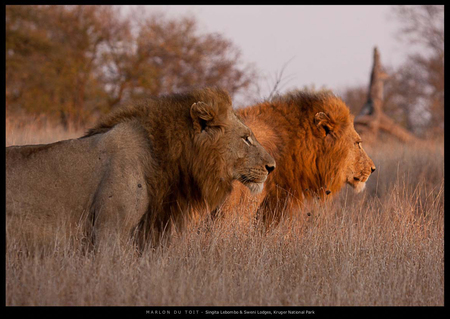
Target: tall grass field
<point>382,247</point>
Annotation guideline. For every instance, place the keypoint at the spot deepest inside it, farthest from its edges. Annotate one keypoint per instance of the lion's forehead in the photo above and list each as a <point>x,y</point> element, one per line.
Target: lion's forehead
<point>352,135</point>
<point>239,125</point>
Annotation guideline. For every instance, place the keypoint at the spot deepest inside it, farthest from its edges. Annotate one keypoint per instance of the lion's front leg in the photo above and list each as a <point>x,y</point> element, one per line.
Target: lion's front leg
<point>117,207</point>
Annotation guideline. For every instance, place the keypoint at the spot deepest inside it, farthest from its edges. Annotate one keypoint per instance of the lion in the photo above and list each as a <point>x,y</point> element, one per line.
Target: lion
<point>317,150</point>
<point>140,170</point>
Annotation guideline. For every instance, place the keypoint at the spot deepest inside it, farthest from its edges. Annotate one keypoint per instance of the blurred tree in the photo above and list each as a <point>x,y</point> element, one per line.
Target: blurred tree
<point>168,55</point>
<point>419,83</point>
<point>354,97</point>
<point>414,92</point>
<point>75,60</point>
<point>51,59</point>
<point>371,118</point>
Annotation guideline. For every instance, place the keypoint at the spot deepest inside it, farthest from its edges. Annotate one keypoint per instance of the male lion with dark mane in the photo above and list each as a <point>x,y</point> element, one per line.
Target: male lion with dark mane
<point>140,170</point>
<point>317,150</point>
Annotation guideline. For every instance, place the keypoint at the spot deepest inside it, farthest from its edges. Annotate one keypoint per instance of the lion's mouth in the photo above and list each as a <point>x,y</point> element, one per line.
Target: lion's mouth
<point>358,184</point>
<point>255,185</point>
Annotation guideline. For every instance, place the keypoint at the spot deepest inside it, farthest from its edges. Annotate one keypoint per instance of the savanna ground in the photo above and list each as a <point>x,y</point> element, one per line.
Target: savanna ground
<point>384,247</point>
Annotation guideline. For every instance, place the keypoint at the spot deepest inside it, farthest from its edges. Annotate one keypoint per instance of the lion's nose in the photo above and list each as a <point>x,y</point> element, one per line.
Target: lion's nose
<point>270,168</point>
<point>373,168</point>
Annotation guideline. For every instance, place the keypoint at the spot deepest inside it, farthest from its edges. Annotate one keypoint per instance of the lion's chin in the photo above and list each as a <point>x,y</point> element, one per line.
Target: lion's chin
<point>359,187</point>
<point>255,188</point>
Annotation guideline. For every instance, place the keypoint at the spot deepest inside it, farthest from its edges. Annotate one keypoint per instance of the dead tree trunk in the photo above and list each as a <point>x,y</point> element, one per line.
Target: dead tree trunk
<point>371,118</point>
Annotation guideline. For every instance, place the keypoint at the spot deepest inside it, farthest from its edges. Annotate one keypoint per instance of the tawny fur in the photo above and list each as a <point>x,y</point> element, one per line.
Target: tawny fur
<point>140,170</point>
<point>313,140</point>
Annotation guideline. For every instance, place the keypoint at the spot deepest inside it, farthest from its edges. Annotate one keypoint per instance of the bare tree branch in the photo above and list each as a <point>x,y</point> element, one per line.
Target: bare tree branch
<point>278,79</point>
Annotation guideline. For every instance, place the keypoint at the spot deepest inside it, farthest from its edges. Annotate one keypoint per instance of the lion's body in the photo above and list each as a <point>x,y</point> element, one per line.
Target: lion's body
<point>140,170</point>
<point>97,180</point>
<point>313,160</point>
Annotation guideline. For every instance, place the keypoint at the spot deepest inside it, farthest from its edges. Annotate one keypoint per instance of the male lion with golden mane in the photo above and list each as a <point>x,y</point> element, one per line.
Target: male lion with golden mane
<point>140,170</point>
<point>317,150</point>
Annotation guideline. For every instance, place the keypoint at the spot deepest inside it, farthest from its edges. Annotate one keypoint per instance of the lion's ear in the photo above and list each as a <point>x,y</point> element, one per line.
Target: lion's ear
<point>202,114</point>
<point>323,123</point>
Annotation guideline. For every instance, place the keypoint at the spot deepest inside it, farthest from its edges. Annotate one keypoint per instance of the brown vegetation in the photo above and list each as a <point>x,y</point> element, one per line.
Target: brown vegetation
<point>83,60</point>
<point>383,247</point>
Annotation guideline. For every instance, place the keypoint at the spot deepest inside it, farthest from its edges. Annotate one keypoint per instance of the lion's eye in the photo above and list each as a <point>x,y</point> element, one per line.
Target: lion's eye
<point>358,144</point>
<point>247,140</point>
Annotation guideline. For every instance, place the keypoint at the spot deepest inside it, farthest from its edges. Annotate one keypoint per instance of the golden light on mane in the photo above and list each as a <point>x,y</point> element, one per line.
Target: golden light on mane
<point>312,138</point>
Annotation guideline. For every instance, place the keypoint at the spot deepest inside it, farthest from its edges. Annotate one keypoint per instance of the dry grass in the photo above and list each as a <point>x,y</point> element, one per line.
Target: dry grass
<point>384,247</point>
<point>22,130</point>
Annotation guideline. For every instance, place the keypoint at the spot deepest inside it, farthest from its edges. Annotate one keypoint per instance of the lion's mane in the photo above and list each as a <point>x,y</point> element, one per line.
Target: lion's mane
<point>310,136</point>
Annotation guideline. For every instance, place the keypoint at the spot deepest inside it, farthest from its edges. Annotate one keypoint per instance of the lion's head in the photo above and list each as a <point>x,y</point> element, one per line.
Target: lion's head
<point>230,144</point>
<point>342,144</point>
<point>342,149</point>
<point>252,163</point>
<point>360,165</point>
